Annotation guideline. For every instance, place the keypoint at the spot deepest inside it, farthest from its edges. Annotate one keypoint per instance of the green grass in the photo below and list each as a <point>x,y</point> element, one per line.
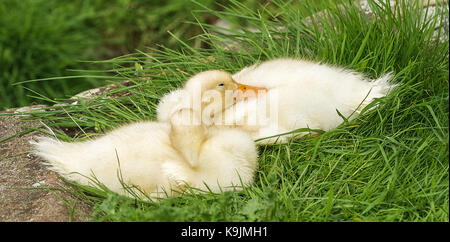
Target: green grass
<point>42,39</point>
<point>390,164</point>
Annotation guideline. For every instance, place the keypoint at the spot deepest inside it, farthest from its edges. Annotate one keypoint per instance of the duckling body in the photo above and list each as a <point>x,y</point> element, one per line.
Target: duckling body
<point>141,149</point>
<point>306,95</point>
<point>160,158</point>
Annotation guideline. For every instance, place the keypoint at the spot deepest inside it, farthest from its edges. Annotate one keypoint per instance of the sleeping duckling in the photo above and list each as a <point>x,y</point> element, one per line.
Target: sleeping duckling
<point>160,158</point>
<point>282,95</point>
<point>303,95</point>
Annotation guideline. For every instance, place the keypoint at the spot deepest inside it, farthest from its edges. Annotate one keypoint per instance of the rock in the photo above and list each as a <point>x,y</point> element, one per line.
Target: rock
<point>96,92</point>
<point>23,180</point>
<point>26,186</point>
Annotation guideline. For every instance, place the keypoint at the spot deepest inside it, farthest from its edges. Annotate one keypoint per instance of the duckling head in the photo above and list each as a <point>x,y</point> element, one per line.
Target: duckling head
<point>215,90</point>
<point>207,93</point>
<point>222,82</point>
<point>213,86</point>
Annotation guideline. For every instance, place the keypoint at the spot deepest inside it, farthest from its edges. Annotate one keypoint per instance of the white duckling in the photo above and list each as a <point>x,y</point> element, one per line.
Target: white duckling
<point>296,94</point>
<point>160,158</point>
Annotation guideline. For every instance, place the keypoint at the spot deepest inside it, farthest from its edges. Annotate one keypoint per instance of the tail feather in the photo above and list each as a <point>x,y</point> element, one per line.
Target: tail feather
<point>383,85</point>
<point>379,88</point>
<point>58,156</point>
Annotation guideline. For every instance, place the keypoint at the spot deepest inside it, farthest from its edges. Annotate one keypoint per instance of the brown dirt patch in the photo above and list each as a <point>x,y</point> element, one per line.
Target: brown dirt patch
<point>23,180</point>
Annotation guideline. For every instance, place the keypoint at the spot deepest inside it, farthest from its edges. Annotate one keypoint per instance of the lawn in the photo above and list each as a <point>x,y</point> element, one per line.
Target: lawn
<point>389,164</point>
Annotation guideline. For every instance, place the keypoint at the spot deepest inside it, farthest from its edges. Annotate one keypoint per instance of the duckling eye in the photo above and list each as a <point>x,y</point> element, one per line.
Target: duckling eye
<point>220,85</point>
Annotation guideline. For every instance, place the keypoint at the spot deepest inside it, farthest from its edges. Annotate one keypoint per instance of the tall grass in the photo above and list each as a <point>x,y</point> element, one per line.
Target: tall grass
<point>390,164</point>
<point>41,39</point>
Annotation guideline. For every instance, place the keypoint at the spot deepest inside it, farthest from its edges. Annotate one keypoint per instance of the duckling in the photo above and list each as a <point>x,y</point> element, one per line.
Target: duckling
<point>282,95</point>
<point>304,95</point>
<point>160,158</point>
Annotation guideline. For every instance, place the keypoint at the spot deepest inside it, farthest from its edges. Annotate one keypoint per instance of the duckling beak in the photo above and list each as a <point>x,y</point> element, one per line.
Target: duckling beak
<point>246,91</point>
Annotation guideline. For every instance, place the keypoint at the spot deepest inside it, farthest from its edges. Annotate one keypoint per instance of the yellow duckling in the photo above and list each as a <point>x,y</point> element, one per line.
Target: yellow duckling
<point>160,158</point>
<point>296,94</point>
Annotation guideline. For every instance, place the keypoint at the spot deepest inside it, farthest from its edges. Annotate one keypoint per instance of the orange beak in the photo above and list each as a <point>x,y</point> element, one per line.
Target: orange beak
<point>246,91</point>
